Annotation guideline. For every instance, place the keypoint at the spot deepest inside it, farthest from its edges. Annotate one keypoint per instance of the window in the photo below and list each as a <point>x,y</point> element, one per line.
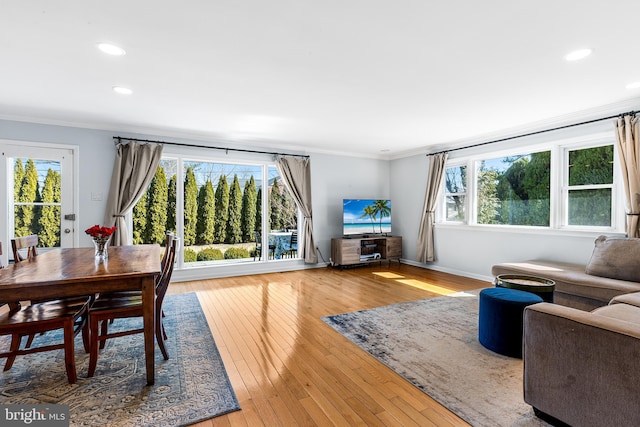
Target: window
<point>514,190</point>
<point>590,186</point>
<point>218,210</point>
<point>455,193</point>
<point>556,187</point>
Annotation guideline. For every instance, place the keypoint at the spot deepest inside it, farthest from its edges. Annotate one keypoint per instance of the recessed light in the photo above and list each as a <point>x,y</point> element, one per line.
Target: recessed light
<point>122,90</point>
<point>634,85</point>
<point>385,150</point>
<point>111,49</point>
<point>578,54</point>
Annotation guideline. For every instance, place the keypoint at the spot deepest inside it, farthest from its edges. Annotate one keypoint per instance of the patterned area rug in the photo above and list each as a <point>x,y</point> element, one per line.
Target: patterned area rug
<point>191,386</point>
<point>433,344</point>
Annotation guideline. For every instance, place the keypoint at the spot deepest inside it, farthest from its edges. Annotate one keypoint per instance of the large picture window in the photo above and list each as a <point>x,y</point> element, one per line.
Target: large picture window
<point>556,187</point>
<point>220,210</point>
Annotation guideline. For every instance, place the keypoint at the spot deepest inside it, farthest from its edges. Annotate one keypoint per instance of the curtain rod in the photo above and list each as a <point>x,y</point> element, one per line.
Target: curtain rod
<point>118,139</point>
<point>633,113</point>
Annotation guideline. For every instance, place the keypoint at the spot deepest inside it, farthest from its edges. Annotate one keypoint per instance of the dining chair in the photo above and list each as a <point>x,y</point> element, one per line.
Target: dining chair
<point>106,308</point>
<point>293,245</point>
<point>30,243</point>
<point>258,251</point>
<point>67,314</point>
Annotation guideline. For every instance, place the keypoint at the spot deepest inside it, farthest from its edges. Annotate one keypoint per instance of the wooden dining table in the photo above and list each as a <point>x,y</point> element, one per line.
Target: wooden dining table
<point>67,272</point>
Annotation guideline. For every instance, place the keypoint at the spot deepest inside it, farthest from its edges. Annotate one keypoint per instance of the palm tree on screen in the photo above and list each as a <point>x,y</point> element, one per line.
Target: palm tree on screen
<point>382,208</point>
<point>369,211</point>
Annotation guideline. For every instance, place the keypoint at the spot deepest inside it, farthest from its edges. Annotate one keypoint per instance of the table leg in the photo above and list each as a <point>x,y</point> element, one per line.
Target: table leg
<point>148,315</point>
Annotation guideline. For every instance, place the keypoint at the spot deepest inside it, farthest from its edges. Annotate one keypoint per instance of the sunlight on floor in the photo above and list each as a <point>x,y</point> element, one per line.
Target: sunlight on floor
<point>428,287</point>
<point>388,275</point>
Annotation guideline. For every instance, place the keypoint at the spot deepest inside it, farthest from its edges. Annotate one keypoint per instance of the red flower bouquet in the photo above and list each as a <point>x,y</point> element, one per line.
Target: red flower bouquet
<point>98,232</point>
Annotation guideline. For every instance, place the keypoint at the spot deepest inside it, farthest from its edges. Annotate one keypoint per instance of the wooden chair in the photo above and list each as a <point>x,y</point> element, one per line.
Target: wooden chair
<point>106,308</point>
<point>30,243</point>
<point>258,252</point>
<point>293,245</point>
<point>68,315</point>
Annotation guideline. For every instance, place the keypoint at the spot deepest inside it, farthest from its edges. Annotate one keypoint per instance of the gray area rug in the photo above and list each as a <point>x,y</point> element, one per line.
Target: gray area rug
<point>191,386</point>
<point>433,344</point>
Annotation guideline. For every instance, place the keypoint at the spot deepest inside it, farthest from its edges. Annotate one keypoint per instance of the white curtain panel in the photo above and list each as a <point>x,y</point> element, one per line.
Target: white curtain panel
<point>296,173</point>
<point>133,169</point>
<point>627,136</point>
<point>426,247</point>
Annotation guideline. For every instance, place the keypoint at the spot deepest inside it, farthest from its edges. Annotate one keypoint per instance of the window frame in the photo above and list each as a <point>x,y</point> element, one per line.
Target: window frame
<point>558,193</point>
<point>198,155</point>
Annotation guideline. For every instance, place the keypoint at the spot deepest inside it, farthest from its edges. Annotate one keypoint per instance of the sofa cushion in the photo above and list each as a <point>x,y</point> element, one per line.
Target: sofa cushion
<point>616,258</point>
<point>625,312</point>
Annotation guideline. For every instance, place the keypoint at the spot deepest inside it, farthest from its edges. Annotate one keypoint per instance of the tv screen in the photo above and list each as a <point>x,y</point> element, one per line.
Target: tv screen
<point>366,216</point>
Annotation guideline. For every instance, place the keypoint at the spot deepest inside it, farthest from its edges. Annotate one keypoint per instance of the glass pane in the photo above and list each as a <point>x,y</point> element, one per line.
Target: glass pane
<point>514,190</point>
<point>591,166</point>
<point>456,179</point>
<point>590,207</point>
<point>221,205</point>
<point>283,219</point>
<point>37,200</point>
<point>455,208</point>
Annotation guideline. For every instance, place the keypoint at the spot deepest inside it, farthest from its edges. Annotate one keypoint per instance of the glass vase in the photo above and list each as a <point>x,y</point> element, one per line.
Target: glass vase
<point>101,246</point>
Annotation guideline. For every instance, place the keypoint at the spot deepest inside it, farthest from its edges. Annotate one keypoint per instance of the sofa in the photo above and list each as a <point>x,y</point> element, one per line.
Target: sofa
<point>614,269</point>
<point>582,353</point>
<point>583,368</point>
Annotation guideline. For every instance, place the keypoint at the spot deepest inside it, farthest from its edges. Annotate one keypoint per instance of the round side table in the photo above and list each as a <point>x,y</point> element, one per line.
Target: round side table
<point>536,285</point>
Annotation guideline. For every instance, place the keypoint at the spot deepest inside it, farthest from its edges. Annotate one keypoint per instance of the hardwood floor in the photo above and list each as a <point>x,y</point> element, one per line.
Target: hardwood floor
<point>289,368</point>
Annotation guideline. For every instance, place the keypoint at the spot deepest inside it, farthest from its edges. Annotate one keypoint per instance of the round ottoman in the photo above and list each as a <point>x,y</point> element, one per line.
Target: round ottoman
<point>500,319</point>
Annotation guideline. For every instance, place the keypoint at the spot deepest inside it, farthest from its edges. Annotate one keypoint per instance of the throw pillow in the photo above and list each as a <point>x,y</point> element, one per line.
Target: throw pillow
<point>616,258</point>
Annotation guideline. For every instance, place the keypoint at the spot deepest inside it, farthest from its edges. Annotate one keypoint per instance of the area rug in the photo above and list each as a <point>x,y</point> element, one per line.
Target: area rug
<point>191,386</point>
<point>433,344</point>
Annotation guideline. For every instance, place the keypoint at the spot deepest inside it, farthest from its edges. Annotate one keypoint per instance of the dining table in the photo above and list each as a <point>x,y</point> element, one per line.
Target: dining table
<point>68,272</point>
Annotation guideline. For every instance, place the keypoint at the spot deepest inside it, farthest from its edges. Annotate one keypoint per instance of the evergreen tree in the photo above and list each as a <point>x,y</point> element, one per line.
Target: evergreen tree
<point>18,176</point>
<point>157,208</point>
<point>140,219</point>
<point>172,196</point>
<point>190,207</point>
<point>222,210</point>
<point>275,207</point>
<point>259,210</point>
<point>249,199</point>
<point>488,202</point>
<point>206,214</point>
<point>234,222</point>
<point>28,194</point>
<point>49,221</point>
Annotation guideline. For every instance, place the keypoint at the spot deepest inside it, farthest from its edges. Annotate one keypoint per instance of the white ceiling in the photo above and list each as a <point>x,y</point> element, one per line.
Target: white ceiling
<point>351,76</point>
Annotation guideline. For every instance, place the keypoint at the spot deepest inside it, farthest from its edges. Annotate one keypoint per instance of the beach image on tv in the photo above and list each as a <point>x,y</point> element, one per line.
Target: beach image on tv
<point>366,216</point>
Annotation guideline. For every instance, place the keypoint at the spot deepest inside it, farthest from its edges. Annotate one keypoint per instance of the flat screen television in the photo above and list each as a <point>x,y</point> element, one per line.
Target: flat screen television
<point>366,216</point>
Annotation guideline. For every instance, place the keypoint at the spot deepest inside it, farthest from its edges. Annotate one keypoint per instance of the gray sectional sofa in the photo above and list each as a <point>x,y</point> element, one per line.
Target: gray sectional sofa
<point>614,269</point>
<point>582,353</point>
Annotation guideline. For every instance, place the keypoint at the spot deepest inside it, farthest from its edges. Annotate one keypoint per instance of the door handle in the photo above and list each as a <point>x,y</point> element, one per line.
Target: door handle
<point>67,231</point>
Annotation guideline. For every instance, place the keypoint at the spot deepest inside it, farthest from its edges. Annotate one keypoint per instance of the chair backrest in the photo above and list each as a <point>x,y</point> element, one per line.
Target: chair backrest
<point>169,236</point>
<point>27,242</point>
<point>294,238</point>
<point>165,277</point>
<point>258,238</point>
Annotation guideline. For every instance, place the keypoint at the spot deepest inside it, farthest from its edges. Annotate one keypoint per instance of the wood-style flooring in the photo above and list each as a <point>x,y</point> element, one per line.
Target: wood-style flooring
<point>289,368</point>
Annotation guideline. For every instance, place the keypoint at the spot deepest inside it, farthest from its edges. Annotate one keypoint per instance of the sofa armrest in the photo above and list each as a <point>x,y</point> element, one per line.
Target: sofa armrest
<point>581,368</point>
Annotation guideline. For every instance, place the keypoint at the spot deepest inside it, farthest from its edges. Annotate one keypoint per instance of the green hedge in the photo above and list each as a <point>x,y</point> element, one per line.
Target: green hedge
<point>236,253</point>
<point>210,254</point>
<point>190,255</point>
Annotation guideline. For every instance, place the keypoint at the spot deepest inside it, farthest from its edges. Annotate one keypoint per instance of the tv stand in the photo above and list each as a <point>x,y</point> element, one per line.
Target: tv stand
<point>349,251</point>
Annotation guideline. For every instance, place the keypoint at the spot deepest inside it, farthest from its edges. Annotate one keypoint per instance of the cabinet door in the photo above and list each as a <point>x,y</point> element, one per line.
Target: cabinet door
<point>394,247</point>
<point>346,251</point>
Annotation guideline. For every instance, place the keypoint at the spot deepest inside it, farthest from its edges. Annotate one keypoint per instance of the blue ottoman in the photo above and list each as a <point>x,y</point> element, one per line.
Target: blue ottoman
<point>500,319</point>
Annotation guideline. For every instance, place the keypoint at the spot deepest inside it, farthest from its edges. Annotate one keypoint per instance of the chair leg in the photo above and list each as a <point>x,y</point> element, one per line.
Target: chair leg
<point>104,331</point>
<point>93,347</point>
<point>15,345</point>
<point>160,337</point>
<point>30,340</point>
<point>69,354</point>
<point>86,336</point>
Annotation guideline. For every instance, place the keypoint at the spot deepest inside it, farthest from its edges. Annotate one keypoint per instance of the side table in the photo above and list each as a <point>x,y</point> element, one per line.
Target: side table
<point>536,285</point>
